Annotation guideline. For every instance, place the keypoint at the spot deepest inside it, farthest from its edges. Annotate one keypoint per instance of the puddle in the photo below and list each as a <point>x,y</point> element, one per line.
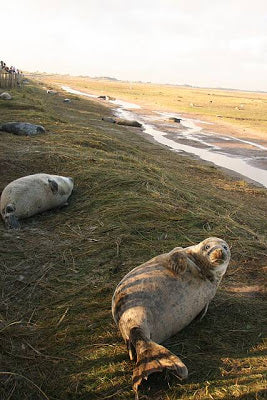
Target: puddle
<point>195,134</point>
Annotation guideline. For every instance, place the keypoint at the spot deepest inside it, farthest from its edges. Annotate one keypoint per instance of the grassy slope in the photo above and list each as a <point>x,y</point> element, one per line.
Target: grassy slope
<point>244,110</point>
<point>132,200</point>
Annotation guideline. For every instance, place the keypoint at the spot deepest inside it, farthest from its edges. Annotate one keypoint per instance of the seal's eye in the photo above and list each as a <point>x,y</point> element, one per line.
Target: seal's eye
<point>207,247</point>
<point>225,247</point>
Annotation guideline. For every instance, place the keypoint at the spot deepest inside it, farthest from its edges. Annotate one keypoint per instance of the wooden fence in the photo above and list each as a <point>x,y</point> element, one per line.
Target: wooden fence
<point>9,81</point>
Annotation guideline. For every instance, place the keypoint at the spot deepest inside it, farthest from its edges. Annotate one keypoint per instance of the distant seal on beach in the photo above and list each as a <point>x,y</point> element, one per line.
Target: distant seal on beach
<point>104,97</point>
<point>174,119</point>
<point>162,296</point>
<point>120,121</point>
<point>22,128</point>
<point>33,194</point>
<point>127,122</point>
<point>109,119</point>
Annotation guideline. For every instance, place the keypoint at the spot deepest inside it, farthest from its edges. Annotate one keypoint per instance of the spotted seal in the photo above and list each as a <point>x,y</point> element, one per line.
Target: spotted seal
<point>157,299</point>
<point>33,194</point>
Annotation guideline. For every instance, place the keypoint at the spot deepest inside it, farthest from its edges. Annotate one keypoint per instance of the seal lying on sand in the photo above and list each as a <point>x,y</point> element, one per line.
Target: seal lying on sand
<point>162,296</point>
<point>127,122</point>
<point>33,194</point>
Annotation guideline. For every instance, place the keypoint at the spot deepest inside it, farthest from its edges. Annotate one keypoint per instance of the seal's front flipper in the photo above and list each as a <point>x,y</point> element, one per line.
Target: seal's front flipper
<point>53,185</point>
<point>12,222</point>
<point>131,350</point>
<point>177,262</point>
<point>151,358</point>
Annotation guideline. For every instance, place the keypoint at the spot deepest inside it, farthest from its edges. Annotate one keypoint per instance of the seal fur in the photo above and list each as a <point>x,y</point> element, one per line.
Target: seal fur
<point>33,194</point>
<point>159,298</point>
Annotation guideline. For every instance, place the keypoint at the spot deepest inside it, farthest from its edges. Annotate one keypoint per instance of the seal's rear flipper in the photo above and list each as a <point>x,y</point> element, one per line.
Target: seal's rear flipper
<point>152,357</point>
<point>12,222</point>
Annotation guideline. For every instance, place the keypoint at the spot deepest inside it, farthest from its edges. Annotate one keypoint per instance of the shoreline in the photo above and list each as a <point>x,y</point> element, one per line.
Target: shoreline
<point>222,127</point>
<point>225,144</point>
<point>241,113</point>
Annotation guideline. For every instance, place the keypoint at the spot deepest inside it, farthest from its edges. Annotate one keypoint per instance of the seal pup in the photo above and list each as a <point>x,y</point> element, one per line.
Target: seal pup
<point>33,194</point>
<point>5,96</point>
<point>159,298</point>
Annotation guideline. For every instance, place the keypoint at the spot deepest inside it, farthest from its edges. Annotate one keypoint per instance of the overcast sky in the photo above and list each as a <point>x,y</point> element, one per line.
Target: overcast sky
<point>198,42</point>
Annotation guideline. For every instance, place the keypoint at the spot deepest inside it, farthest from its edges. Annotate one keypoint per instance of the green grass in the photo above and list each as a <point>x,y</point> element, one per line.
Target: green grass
<point>132,201</point>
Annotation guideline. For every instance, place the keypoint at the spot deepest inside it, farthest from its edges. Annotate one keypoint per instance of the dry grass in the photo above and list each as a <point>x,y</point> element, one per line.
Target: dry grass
<point>132,200</point>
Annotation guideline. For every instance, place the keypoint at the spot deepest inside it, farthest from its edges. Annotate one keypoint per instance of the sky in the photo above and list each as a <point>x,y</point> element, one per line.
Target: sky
<point>209,43</point>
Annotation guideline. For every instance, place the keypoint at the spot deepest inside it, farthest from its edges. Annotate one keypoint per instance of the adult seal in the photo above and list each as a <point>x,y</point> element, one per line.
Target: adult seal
<point>160,297</point>
<point>22,128</point>
<point>33,194</point>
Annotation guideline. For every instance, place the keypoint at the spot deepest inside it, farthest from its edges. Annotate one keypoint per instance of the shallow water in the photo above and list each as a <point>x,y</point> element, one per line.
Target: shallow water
<point>201,143</point>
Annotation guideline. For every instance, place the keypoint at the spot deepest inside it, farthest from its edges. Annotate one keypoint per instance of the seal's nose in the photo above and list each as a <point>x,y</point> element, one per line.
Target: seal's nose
<point>218,253</point>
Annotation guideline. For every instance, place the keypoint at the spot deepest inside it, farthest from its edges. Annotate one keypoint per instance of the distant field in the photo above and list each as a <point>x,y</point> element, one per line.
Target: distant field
<point>244,110</point>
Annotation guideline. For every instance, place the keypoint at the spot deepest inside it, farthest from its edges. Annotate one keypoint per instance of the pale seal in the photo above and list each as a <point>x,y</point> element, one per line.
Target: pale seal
<point>160,297</point>
<point>5,96</point>
<point>33,194</point>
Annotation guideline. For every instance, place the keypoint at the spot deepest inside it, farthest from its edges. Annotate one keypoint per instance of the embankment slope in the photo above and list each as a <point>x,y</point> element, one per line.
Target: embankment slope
<point>132,200</point>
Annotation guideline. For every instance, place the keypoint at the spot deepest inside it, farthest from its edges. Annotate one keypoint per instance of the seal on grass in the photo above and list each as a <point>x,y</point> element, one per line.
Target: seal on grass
<point>22,128</point>
<point>33,194</point>
<point>5,96</point>
<point>160,297</point>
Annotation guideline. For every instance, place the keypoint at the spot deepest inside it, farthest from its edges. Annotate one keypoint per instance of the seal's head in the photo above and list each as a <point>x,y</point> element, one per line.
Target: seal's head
<point>212,255</point>
<point>217,250</point>
<point>61,185</point>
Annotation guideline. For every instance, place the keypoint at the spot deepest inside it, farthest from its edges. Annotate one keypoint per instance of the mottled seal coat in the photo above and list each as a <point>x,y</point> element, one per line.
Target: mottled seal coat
<point>22,128</point>
<point>160,297</point>
<point>33,194</point>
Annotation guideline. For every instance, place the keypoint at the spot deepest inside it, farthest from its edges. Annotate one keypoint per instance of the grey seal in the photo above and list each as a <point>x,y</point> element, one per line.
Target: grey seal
<point>22,128</point>
<point>33,194</point>
<point>5,96</point>
<point>159,298</point>
<point>127,122</point>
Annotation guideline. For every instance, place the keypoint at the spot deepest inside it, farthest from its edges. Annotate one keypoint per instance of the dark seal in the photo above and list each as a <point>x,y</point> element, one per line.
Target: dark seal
<point>22,128</point>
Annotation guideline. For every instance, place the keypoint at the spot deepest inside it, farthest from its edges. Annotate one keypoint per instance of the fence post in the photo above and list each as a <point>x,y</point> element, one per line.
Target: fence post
<point>9,81</point>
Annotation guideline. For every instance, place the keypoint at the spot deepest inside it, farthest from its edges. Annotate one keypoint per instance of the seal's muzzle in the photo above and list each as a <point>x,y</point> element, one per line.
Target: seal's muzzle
<point>217,255</point>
